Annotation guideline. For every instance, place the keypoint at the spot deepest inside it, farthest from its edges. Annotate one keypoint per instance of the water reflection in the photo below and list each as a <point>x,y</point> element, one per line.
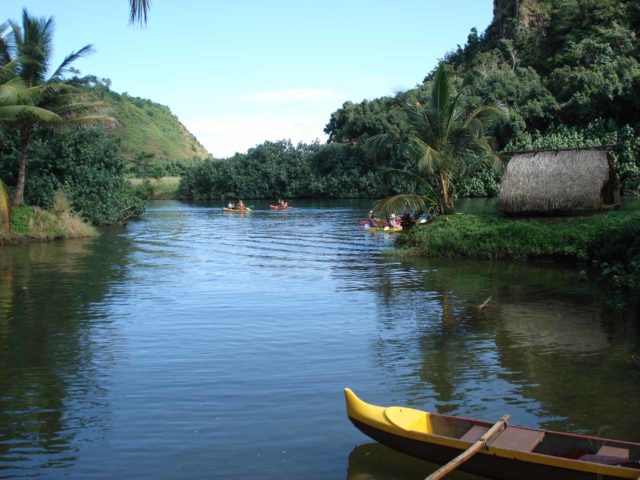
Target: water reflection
<point>51,385</point>
<point>373,461</point>
<point>544,344</point>
<point>153,351</point>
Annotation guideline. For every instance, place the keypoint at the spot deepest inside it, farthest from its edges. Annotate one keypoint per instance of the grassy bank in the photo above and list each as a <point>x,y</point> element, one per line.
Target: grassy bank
<point>164,188</point>
<point>609,242</point>
<point>33,223</point>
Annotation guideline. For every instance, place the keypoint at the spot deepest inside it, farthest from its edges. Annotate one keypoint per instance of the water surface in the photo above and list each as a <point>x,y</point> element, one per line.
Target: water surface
<point>195,344</point>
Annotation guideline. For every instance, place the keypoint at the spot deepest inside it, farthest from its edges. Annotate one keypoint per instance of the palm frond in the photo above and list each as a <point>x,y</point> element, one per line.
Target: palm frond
<point>409,175</point>
<point>428,158</point>
<point>404,203</point>
<point>15,113</point>
<point>69,59</point>
<point>486,113</point>
<point>139,11</point>
<point>5,46</point>
<point>441,91</point>
<point>90,120</point>
<point>5,206</point>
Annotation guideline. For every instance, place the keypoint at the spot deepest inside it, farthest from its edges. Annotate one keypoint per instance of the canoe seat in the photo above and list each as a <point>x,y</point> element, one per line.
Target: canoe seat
<point>520,439</point>
<point>617,452</point>
<point>474,434</point>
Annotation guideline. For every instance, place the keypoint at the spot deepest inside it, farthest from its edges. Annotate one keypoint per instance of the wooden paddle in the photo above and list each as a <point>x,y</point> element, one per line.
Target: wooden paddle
<point>472,450</point>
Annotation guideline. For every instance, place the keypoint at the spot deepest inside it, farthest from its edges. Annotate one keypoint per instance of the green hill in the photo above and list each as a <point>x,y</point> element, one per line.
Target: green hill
<point>147,130</point>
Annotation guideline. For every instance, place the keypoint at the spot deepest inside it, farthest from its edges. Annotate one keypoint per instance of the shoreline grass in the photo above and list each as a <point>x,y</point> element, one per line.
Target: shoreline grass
<point>163,188</point>
<point>36,224</point>
<point>610,242</point>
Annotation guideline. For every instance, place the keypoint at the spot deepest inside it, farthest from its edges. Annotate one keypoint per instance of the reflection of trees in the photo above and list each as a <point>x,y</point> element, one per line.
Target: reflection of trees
<point>545,346</point>
<point>46,347</point>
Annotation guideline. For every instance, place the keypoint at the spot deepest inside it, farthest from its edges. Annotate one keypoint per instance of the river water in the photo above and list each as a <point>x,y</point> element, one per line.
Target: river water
<point>194,344</point>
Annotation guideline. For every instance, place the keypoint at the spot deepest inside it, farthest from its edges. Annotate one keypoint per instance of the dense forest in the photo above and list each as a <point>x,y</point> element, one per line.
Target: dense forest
<point>568,71</point>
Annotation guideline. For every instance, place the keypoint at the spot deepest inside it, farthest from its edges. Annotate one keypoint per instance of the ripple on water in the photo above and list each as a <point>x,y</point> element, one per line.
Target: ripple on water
<point>199,344</point>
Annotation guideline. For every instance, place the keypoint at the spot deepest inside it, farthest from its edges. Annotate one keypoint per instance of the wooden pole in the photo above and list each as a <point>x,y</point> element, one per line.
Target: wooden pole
<point>472,450</point>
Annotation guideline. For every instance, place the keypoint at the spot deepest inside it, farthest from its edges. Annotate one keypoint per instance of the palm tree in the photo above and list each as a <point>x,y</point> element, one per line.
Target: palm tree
<point>440,140</point>
<point>38,98</point>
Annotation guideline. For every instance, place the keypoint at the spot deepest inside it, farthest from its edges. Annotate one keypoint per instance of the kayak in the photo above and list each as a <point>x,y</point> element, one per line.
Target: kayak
<point>514,453</point>
<point>278,207</point>
<point>383,229</point>
<point>236,210</point>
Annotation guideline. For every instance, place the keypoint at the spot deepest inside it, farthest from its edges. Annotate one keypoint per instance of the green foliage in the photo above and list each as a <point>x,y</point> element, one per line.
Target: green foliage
<point>279,169</point>
<point>610,241</point>
<point>86,164</point>
<point>442,138</point>
<point>33,223</point>
<point>148,132</point>
<point>164,188</point>
<point>574,63</point>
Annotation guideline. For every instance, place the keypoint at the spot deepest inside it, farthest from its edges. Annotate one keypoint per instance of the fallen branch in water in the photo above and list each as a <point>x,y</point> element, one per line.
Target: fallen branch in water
<point>484,304</point>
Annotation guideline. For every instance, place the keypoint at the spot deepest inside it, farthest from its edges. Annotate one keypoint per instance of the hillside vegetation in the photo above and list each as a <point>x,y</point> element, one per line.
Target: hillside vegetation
<point>568,72</point>
<point>147,131</point>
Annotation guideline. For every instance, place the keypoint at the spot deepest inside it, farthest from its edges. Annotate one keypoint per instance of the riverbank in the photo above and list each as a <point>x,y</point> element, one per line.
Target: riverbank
<point>609,241</point>
<point>35,224</point>
<point>163,188</point>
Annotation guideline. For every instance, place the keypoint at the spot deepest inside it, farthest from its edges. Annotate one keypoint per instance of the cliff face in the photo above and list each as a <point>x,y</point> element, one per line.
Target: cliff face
<point>509,16</point>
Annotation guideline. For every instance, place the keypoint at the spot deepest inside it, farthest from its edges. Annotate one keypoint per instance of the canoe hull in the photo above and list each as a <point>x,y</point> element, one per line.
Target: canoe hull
<point>517,453</point>
<point>383,229</point>
<point>236,210</point>
<point>485,465</point>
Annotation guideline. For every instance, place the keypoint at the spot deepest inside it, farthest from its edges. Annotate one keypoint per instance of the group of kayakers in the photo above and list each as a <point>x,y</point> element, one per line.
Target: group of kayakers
<point>393,221</point>
<point>239,205</point>
<point>406,221</point>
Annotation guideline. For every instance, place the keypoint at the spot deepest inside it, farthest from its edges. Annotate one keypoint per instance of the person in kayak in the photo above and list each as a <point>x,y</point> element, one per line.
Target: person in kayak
<point>241,205</point>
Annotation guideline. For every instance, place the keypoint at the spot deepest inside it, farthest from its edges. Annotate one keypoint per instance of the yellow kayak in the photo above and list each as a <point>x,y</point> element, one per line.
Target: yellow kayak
<point>514,453</point>
<point>383,229</point>
<point>236,210</point>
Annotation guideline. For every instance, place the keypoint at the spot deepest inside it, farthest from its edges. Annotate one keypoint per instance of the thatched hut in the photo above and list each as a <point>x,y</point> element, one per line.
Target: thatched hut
<point>558,181</point>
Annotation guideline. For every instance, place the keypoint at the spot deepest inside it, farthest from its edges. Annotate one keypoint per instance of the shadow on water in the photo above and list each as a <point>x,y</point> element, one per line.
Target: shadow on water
<point>373,461</point>
<point>49,381</point>
<point>546,347</point>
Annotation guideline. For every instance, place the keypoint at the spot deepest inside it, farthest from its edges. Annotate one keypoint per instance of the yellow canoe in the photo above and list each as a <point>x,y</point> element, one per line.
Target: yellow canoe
<point>515,453</point>
<point>236,210</point>
<point>383,229</point>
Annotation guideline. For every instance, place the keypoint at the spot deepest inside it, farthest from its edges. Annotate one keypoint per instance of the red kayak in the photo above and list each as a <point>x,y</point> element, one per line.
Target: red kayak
<point>278,207</point>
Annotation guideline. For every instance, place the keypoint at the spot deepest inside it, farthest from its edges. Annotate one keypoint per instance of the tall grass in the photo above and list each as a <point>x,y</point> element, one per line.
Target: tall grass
<point>5,208</point>
<point>34,223</point>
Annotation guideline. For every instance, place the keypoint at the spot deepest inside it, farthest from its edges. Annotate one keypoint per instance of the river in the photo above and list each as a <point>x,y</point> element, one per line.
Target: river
<point>195,344</point>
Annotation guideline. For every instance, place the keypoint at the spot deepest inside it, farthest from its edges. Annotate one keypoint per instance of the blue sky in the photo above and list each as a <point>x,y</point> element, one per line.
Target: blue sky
<point>238,72</point>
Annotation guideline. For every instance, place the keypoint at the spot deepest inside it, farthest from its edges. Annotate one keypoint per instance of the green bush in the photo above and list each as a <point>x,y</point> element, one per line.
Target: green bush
<point>609,241</point>
<point>87,166</point>
<point>279,169</point>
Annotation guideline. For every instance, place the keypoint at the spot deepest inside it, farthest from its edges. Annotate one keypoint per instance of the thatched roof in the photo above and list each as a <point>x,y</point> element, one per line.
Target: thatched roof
<point>558,180</point>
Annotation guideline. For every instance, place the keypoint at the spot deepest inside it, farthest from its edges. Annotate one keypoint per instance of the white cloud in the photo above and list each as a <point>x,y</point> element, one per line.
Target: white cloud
<point>224,135</point>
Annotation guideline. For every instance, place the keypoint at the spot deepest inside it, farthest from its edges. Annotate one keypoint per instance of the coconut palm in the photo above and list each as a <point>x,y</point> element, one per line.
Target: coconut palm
<point>440,140</point>
<point>39,98</point>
